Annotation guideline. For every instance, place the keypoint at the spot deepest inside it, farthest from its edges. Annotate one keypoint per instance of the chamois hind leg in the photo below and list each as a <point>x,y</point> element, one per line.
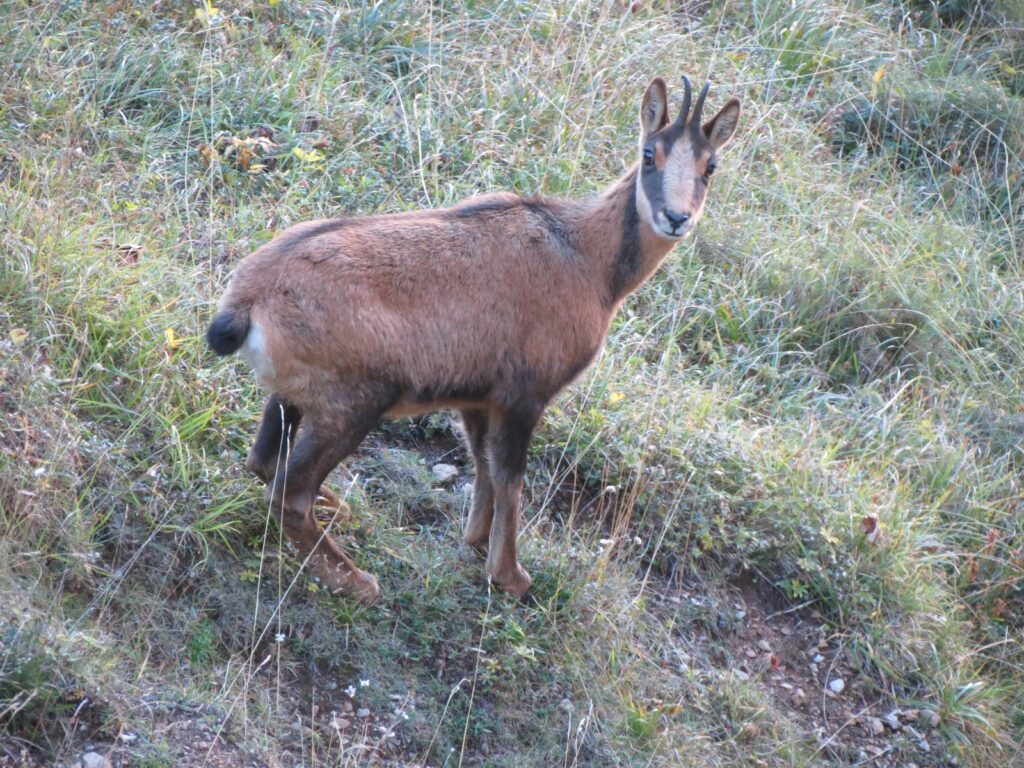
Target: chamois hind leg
<point>478,527</point>
<point>508,440</point>
<point>268,452</point>
<point>324,441</point>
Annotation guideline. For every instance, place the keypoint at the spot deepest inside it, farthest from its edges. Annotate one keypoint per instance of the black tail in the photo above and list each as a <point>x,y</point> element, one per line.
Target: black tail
<point>227,332</point>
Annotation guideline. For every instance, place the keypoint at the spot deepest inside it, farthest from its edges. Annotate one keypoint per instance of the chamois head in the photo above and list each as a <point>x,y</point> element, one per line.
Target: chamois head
<point>678,158</point>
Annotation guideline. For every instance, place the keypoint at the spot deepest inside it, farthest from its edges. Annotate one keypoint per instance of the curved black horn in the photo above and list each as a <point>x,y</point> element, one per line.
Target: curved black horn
<point>700,104</point>
<point>686,102</point>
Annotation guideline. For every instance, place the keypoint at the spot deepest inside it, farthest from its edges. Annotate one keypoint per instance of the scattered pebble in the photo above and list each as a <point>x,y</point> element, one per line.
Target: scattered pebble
<point>93,760</point>
<point>837,685</point>
<point>764,645</point>
<point>444,473</point>
<point>876,726</point>
<point>818,658</point>
<point>931,719</point>
<point>362,712</point>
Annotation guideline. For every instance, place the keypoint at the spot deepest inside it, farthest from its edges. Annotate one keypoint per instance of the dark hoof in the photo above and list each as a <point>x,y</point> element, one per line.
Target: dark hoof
<point>529,600</point>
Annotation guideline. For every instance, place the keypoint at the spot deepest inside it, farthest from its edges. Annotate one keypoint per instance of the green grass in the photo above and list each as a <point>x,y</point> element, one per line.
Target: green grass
<point>842,338</point>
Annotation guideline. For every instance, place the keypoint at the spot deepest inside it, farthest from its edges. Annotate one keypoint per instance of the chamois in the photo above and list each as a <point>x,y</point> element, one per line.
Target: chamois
<point>491,307</point>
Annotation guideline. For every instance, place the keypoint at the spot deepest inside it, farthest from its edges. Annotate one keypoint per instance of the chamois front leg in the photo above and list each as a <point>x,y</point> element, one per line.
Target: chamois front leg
<point>508,440</point>
<point>269,452</point>
<point>320,447</point>
<point>478,527</point>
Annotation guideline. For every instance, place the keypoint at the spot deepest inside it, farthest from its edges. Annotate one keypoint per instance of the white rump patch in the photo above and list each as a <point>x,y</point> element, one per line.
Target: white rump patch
<point>254,352</point>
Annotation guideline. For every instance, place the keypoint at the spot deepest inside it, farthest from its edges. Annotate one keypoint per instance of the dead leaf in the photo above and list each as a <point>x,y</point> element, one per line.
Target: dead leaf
<point>872,528</point>
<point>128,254</point>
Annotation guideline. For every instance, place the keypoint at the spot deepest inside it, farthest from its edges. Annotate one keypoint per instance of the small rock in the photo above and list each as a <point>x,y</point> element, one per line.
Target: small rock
<point>347,706</point>
<point>362,712</point>
<point>875,726</point>
<point>741,615</point>
<point>764,645</point>
<point>444,473</point>
<point>837,685</point>
<point>910,715</point>
<point>799,695</point>
<point>818,658</point>
<point>930,718</point>
<point>740,674</point>
<point>93,760</point>
<point>750,653</point>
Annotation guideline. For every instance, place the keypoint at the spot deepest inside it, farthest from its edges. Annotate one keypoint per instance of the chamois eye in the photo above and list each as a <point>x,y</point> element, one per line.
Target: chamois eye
<point>648,157</point>
<point>711,168</point>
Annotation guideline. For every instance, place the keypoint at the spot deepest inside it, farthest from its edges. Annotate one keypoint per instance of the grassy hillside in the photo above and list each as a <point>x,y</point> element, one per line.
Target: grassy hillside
<point>841,343</point>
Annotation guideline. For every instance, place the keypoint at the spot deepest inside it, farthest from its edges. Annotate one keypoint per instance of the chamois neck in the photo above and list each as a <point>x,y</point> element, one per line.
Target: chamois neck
<point>627,251</point>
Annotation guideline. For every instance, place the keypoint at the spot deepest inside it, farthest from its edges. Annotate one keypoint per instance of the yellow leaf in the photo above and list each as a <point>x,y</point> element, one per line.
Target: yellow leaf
<point>615,397</point>
<point>173,342</point>
<point>311,156</point>
<point>879,74</point>
<point>18,335</point>
<point>273,3</point>
<point>207,12</point>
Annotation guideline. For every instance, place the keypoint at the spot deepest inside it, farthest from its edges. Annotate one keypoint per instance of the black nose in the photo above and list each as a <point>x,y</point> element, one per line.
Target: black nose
<point>676,219</point>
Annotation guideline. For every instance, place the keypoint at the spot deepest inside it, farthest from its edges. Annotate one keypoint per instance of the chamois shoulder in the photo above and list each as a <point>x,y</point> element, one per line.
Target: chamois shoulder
<point>555,219</point>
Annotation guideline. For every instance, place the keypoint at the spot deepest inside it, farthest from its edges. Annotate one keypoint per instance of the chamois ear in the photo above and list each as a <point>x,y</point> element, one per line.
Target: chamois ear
<point>654,109</point>
<point>720,128</point>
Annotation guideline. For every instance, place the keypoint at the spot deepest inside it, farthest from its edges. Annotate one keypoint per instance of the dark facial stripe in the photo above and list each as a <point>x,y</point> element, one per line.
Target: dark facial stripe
<point>653,180</point>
